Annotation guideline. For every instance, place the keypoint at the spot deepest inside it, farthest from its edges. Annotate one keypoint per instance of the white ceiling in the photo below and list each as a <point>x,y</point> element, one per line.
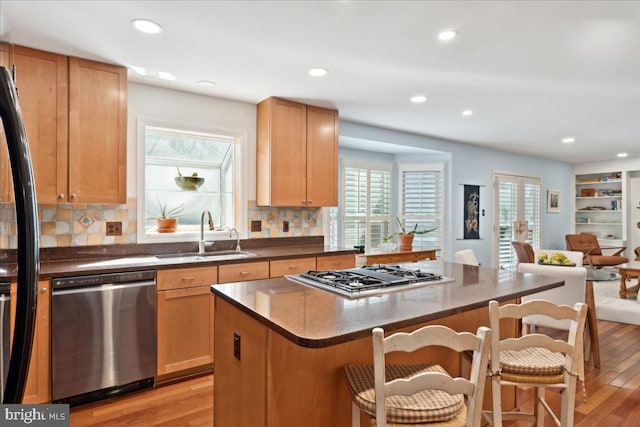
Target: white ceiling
<point>533,72</point>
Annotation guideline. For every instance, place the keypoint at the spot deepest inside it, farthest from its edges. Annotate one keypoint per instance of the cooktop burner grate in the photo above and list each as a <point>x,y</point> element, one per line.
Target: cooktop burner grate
<point>358,280</point>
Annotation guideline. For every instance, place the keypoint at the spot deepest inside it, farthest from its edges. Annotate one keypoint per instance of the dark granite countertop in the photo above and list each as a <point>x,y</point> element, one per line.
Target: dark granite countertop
<point>114,258</point>
<point>315,318</point>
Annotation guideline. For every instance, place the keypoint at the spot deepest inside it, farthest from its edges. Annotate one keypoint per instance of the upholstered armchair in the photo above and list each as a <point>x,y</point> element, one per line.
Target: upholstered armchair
<point>589,246</point>
<point>573,291</point>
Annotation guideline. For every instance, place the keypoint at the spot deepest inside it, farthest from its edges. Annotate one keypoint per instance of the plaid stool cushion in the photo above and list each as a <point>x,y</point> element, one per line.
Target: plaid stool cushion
<point>422,407</point>
<point>459,420</point>
<point>532,361</point>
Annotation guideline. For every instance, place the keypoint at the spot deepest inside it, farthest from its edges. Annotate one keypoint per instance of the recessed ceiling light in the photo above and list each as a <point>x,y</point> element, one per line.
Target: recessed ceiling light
<point>568,140</point>
<point>205,83</point>
<point>166,76</point>
<point>318,72</point>
<point>418,99</point>
<point>467,113</point>
<point>622,154</point>
<point>139,70</point>
<point>146,26</point>
<point>447,35</point>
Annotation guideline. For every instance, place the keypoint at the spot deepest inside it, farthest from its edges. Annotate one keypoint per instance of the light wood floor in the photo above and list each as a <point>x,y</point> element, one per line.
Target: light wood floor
<point>613,394</point>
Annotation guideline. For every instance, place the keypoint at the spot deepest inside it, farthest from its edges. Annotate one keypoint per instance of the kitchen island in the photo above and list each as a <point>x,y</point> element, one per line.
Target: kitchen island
<point>280,346</point>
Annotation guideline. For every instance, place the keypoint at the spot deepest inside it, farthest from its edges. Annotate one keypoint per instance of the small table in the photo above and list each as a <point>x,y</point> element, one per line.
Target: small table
<point>630,269</point>
<point>372,258</point>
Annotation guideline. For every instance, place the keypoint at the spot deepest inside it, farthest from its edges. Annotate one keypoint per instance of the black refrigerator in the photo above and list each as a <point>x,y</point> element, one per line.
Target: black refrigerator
<point>27,239</point>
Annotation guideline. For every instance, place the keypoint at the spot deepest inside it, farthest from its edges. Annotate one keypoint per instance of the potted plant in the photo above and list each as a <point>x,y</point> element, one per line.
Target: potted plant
<point>405,238</point>
<point>166,219</point>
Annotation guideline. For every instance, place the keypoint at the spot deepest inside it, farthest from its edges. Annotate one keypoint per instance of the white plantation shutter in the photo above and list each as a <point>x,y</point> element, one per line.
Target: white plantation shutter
<point>421,202</point>
<point>532,211</point>
<point>518,199</point>
<point>366,203</point>
<point>508,205</point>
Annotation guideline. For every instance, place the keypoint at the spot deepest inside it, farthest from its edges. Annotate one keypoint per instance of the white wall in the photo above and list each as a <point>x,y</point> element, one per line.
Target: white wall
<point>153,102</point>
<point>470,164</point>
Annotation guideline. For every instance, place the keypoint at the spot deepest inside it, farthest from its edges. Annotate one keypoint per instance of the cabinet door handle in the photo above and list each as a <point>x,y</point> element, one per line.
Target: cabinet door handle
<point>43,290</point>
<point>310,201</point>
<point>74,196</point>
<point>304,202</point>
<point>188,279</point>
<point>244,273</point>
<point>61,196</point>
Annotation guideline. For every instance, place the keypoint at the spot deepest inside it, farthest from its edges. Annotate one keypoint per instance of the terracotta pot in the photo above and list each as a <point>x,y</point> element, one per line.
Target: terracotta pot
<point>405,242</point>
<point>168,225</point>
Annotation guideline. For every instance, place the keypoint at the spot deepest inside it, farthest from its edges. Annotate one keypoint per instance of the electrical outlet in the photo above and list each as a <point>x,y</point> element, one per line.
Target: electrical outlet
<point>114,228</point>
<point>285,226</point>
<point>256,226</point>
<point>236,345</point>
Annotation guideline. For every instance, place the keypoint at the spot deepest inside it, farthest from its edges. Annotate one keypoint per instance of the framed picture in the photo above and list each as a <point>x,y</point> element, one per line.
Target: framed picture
<point>471,212</point>
<point>553,201</point>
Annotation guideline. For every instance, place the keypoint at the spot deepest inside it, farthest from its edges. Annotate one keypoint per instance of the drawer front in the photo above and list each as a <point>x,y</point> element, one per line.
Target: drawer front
<point>292,266</point>
<point>242,272</point>
<point>336,262</point>
<point>392,258</point>
<point>187,277</point>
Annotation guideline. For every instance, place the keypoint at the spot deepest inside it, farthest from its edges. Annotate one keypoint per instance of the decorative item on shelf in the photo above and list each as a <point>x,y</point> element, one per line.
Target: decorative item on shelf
<point>587,192</point>
<point>405,238</point>
<point>190,183</point>
<point>166,220</point>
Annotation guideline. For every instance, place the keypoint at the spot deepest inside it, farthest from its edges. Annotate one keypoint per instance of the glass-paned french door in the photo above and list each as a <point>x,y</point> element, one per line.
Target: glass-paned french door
<point>422,202</point>
<point>517,216</point>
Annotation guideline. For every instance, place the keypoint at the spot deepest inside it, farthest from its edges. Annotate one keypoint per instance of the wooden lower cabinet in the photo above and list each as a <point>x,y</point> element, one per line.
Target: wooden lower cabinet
<point>185,320</point>
<point>283,267</point>
<point>396,257</point>
<point>336,262</point>
<point>244,271</point>
<point>38,387</point>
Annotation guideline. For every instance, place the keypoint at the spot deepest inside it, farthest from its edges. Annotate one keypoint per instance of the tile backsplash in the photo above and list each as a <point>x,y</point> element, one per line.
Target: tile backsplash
<point>85,224</point>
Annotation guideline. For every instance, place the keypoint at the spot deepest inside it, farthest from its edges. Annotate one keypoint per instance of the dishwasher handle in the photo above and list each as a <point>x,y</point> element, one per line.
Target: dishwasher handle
<point>102,288</point>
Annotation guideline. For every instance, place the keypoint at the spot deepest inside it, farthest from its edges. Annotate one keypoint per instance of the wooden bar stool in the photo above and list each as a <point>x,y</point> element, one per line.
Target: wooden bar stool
<point>420,395</point>
<point>536,360</point>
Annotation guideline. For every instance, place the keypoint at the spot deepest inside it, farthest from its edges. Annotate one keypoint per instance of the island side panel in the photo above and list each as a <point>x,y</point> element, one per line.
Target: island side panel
<point>279,383</point>
<point>239,385</point>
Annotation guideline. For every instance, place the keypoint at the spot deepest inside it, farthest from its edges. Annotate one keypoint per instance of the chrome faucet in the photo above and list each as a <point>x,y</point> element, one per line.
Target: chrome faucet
<point>238,249</point>
<point>202,243</point>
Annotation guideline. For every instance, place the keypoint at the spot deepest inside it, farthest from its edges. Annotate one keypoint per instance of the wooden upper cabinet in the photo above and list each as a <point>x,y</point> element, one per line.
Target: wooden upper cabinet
<point>97,132</point>
<point>75,115</point>
<point>297,154</point>
<point>6,188</point>
<point>41,80</point>
<point>322,157</point>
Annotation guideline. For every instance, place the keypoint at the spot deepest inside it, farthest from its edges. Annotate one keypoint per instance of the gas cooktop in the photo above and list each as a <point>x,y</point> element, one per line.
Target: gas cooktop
<point>368,280</point>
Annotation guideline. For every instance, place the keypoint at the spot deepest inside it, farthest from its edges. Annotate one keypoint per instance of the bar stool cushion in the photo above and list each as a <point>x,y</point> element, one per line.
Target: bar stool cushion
<point>423,407</point>
<point>533,361</point>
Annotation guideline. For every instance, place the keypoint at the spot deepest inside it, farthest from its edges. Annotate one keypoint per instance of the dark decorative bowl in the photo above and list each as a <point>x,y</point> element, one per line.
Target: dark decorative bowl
<point>189,182</point>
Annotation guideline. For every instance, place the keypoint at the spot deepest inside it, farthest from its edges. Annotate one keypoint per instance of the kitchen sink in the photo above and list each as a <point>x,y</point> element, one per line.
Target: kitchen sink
<point>210,256</point>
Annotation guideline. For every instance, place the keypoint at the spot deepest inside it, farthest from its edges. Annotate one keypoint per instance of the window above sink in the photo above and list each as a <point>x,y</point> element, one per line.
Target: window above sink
<point>192,166</point>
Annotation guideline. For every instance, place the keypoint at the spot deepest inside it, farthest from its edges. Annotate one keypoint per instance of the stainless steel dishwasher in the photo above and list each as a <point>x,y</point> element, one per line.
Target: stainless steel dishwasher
<point>103,336</point>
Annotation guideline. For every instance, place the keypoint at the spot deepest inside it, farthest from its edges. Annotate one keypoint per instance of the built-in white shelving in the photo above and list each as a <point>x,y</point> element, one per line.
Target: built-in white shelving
<point>599,206</point>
